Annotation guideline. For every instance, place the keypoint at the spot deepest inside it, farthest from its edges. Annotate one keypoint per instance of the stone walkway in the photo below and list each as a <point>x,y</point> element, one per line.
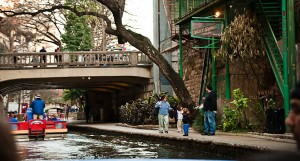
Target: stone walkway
<point>262,142</point>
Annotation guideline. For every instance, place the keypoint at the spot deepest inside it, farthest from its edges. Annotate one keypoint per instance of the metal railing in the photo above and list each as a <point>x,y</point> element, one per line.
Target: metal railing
<point>73,59</point>
<point>188,6</point>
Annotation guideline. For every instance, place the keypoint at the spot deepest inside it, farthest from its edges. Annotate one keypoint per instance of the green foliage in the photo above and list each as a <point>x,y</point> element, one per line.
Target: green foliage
<point>2,48</point>
<point>173,101</point>
<point>198,124</point>
<point>142,112</point>
<point>234,119</point>
<point>258,114</point>
<point>230,119</point>
<point>271,103</point>
<point>73,94</point>
<point>78,36</point>
<point>239,101</point>
<point>138,112</point>
<point>242,39</point>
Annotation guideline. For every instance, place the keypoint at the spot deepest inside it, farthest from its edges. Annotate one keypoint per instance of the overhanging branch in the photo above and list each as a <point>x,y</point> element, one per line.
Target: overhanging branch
<point>108,29</point>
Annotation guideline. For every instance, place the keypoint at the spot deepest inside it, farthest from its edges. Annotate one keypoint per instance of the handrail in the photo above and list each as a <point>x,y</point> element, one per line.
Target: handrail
<point>191,5</point>
<point>273,59</point>
<point>270,27</point>
<point>73,59</point>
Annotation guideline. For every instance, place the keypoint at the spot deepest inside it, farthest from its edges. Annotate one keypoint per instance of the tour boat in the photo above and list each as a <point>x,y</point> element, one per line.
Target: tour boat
<point>39,128</point>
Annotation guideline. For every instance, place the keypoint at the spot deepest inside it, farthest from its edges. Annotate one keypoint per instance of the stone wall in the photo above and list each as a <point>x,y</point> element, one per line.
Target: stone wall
<point>255,79</point>
<point>192,68</point>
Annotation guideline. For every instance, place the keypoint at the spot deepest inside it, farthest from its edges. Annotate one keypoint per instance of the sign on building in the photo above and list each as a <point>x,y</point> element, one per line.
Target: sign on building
<point>200,29</point>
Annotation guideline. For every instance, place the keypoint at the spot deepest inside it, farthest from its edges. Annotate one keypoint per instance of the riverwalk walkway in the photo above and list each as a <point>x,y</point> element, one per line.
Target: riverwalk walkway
<point>250,141</point>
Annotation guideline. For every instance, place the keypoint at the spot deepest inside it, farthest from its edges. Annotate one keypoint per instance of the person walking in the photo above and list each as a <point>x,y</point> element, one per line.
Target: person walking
<point>179,118</point>
<point>186,121</point>
<point>38,106</point>
<point>87,113</point>
<point>210,110</point>
<point>67,110</point>
<point>163,114</point>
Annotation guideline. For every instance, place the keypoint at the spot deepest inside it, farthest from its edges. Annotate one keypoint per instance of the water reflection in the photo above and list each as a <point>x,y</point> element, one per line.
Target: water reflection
<point>93,146</point>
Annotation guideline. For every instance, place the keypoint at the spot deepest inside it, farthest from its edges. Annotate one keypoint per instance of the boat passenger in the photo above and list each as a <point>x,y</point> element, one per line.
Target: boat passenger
<point>14,119</point>
<point>29,115</point>
<point>38,106</point>
<point>53,118</point>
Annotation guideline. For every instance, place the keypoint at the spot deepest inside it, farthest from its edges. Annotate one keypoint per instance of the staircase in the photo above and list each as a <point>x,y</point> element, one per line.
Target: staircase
<point>269,14</point>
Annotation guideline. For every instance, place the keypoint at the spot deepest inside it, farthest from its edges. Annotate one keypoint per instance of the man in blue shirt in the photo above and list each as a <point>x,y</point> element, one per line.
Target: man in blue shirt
<point>38,106</point>
<point>163,114</point>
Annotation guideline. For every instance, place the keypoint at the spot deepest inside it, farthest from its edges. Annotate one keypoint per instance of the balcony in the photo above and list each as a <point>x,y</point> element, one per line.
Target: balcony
<point>191,8</point>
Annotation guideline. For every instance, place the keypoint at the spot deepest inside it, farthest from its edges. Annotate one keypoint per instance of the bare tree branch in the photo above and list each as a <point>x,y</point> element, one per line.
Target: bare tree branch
<point>109,28</point>
<point>140,42</point>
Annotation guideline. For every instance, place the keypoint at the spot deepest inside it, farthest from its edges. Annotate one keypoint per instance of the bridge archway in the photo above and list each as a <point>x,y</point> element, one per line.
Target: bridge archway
<point>124,76</point>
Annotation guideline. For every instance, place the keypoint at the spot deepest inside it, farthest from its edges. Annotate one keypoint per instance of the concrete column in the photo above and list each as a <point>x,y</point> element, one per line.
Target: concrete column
<point>134,58</point>
<point>66,59</point>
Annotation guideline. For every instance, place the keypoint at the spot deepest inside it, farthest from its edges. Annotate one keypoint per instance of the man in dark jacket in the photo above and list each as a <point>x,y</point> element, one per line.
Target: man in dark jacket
<point>43,60</point>
<point>38,106</point>
<point>210,110</point>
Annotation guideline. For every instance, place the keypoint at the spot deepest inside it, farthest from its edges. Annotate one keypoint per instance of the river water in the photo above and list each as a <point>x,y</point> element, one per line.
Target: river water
<point>98,146</point>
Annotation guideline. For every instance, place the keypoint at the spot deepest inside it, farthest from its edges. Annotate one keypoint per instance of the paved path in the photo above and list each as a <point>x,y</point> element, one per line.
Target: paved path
<point>249,141</point>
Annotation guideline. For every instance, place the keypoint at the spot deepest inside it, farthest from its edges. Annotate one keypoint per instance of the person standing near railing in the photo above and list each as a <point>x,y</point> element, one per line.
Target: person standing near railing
<point>43,60</point>
<point>58,57</point>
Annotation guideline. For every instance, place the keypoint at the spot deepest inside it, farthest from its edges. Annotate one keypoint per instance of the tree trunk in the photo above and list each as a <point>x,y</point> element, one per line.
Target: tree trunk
<point>144,45</point>
<point>140,42</point>
<point>11,41</point>
<point>103,36</point>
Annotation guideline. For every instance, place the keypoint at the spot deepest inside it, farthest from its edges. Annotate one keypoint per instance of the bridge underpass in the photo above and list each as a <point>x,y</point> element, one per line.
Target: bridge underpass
<point>108,86</point>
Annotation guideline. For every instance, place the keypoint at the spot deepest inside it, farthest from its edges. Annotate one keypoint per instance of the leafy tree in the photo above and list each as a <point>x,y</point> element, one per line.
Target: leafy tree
<point>100,38</point>
<point>78,36</point>
<point>142,43</point>
<point>75,94</point>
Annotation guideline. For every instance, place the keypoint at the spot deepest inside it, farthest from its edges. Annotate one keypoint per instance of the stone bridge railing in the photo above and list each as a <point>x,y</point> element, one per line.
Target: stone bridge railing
<point>73,59</point>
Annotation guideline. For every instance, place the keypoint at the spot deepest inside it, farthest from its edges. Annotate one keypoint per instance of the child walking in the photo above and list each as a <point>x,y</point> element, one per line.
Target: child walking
<point>186,121</point>
<point>179,118</point>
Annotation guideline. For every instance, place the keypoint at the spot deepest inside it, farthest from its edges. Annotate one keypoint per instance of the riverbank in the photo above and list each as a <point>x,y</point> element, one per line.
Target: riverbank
<point>223,142</point>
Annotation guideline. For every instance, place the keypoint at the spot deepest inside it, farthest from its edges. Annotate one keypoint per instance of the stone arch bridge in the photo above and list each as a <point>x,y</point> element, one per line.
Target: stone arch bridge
<point>112,78</point>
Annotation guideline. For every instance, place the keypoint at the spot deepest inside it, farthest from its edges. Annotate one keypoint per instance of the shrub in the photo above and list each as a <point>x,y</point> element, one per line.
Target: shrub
<point>198,124</point>
<point>142,112</point>
<point>230,119</point>
<point>235,119</point>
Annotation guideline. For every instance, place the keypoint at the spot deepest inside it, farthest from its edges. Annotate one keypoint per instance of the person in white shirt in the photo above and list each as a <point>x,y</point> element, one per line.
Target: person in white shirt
<point>179,118</point>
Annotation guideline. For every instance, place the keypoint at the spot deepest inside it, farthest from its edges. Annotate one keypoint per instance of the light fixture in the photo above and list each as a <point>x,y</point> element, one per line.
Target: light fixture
<point>89,77</point>
<point>217,14</point>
